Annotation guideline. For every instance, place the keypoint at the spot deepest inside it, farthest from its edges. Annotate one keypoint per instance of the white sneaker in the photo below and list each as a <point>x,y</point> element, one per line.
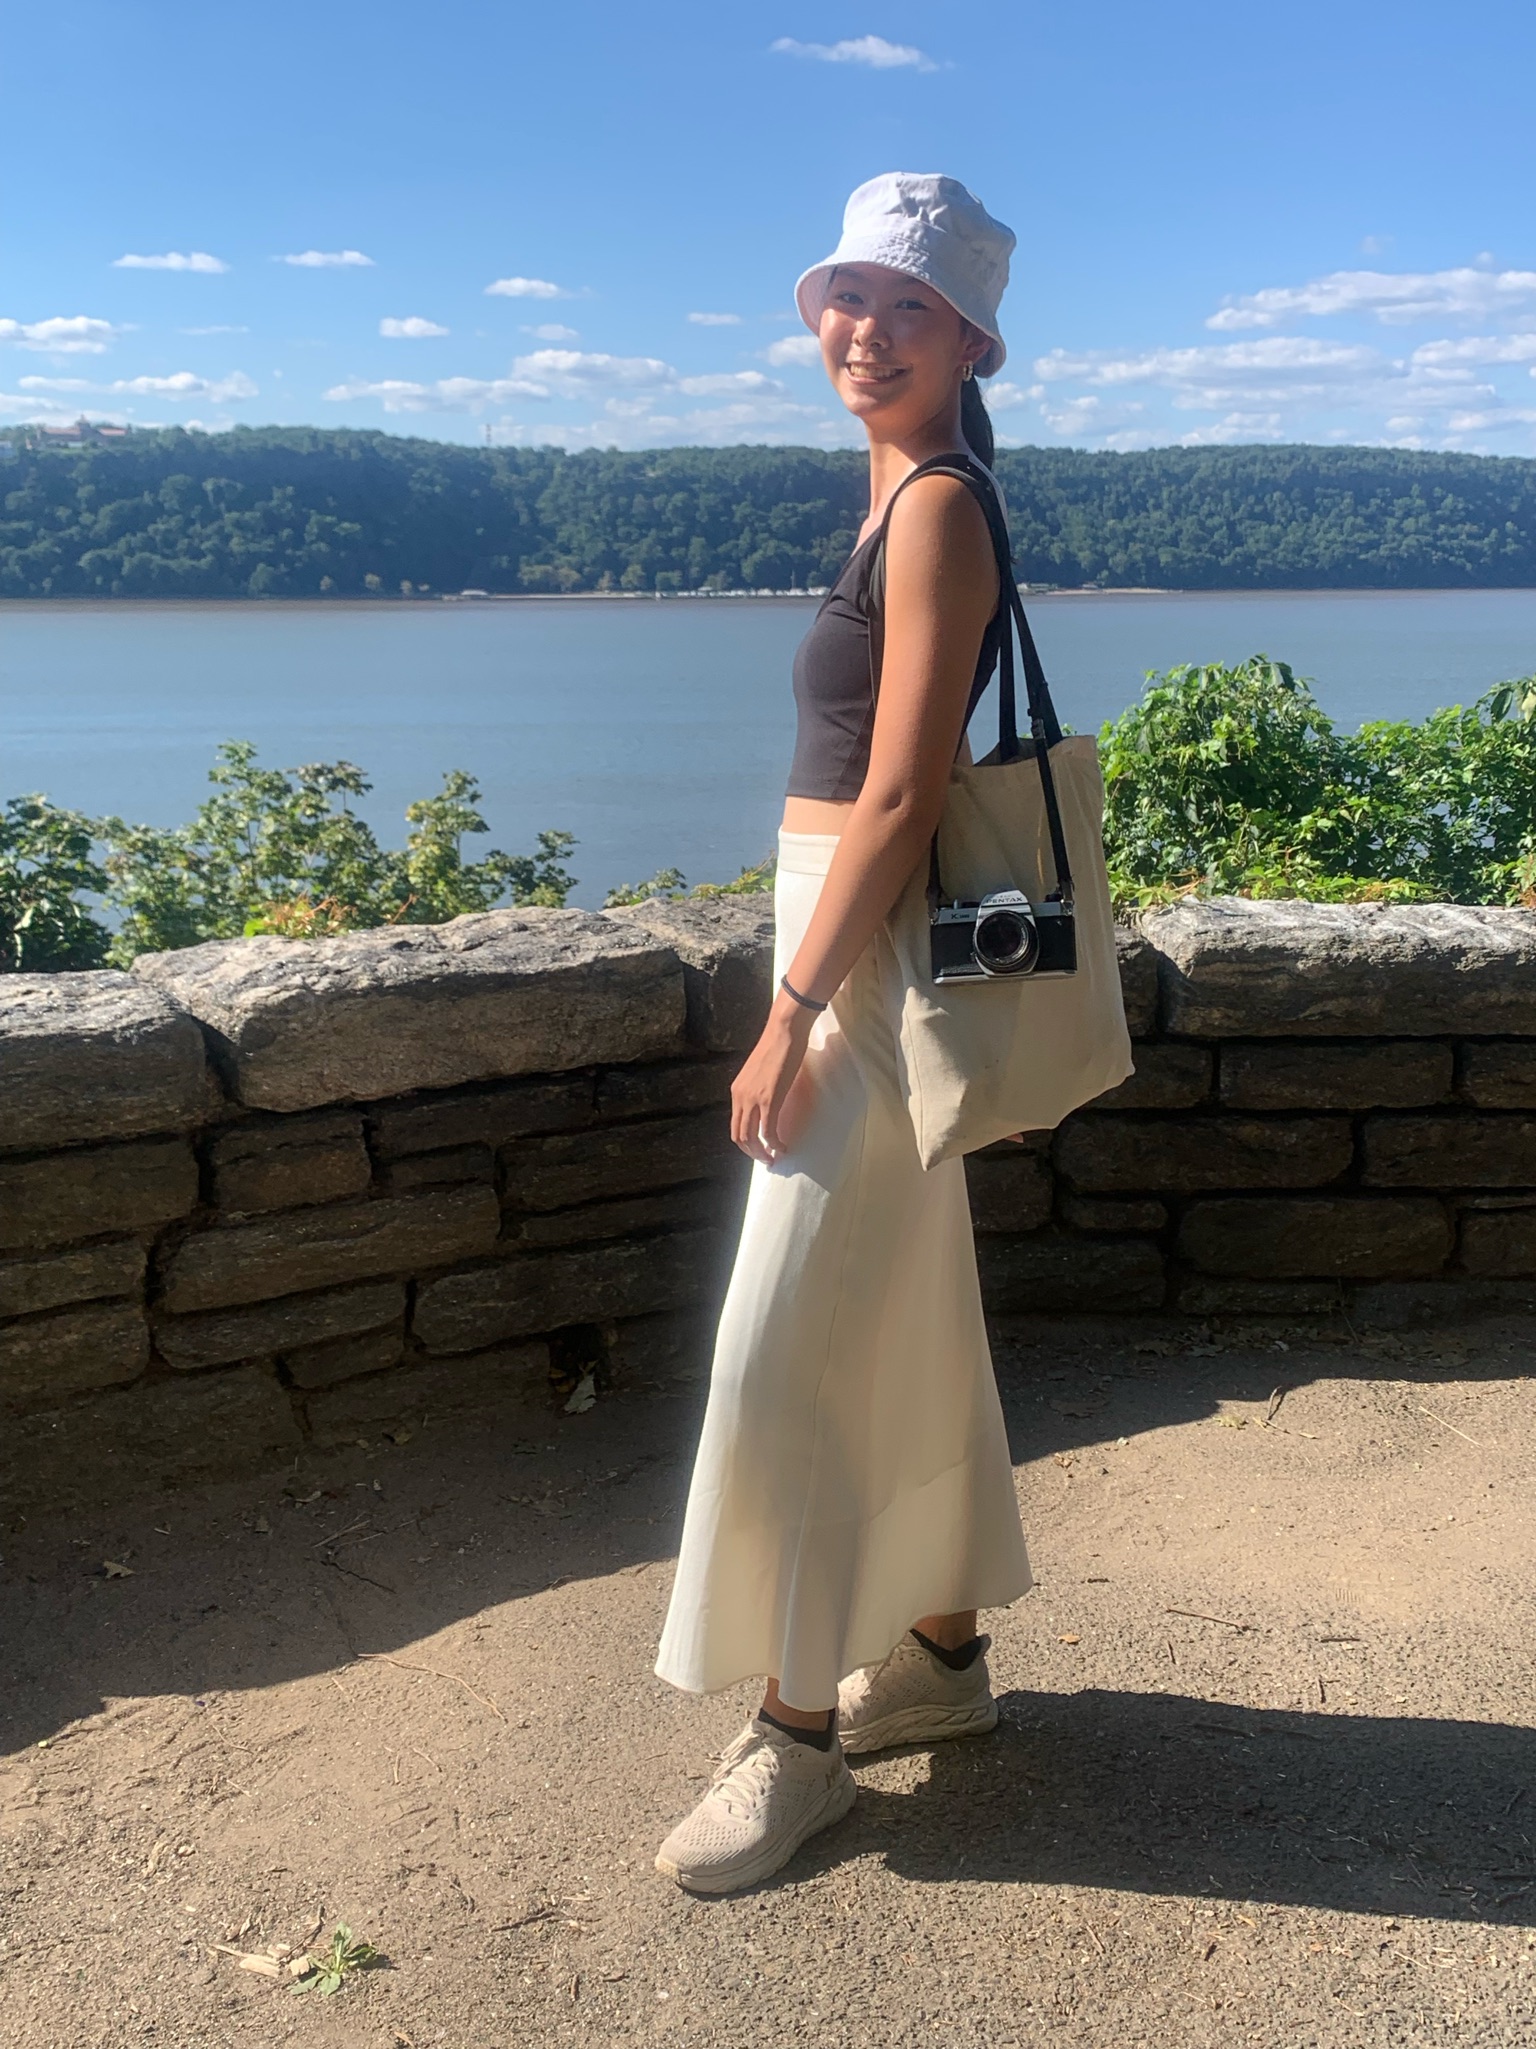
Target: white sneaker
<point>913,1697</point>
<point>769,1795</point>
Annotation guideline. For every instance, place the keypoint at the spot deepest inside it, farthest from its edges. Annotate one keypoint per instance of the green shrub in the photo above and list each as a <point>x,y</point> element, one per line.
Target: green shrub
<point>281,851</point>
<point>46,865</point>
<point>1234,781</point>
<point>272,850</point>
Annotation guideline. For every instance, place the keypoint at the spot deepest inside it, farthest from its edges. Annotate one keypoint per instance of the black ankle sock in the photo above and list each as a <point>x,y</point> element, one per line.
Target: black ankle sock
<point>819,1739</point>
<point>957,1661</point>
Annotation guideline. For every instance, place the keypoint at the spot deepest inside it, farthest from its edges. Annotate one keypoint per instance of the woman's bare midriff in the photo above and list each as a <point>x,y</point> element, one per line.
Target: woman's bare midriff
<point>815,814</point>
<point>828,814</point>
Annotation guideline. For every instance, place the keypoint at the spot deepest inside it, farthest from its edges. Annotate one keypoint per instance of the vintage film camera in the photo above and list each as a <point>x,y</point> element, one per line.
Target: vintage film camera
<point>1003,935</point>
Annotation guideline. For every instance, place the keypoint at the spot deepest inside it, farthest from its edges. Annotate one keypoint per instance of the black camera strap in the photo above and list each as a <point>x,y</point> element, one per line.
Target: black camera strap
<point>1044,727</point>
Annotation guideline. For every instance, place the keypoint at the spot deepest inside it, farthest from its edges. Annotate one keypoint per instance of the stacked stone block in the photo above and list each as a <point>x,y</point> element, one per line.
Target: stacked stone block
<point>261,1194</point>
<point>258,1194</point>
<point>1325,1118</point>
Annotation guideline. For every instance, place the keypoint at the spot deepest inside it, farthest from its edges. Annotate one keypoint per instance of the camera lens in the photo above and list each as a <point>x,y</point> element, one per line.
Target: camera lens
<point>1005,942</point>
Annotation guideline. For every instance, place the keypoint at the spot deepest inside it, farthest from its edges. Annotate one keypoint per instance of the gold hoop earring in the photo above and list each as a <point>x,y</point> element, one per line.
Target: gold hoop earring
<point>965,373</point>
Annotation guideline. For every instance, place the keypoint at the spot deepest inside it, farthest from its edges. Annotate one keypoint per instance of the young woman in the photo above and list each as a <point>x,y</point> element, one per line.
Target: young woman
<point>852,1503</point>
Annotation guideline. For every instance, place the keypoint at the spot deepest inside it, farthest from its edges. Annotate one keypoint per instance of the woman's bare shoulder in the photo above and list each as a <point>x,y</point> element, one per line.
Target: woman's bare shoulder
<point>937,520</point>
<point>939,508</point>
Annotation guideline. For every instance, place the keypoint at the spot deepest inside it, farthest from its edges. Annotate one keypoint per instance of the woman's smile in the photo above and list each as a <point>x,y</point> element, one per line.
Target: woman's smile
<point>873,373</point>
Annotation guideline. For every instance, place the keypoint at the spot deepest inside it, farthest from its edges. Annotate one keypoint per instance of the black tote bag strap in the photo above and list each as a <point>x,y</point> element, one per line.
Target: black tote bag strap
<point>1044,726</point>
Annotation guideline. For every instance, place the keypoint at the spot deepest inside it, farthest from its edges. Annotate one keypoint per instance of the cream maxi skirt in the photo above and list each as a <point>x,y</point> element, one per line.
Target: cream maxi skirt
<point>853,1474</point>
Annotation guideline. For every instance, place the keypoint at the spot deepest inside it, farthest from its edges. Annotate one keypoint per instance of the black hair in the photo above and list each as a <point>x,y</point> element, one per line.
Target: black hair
<point>976,423</point>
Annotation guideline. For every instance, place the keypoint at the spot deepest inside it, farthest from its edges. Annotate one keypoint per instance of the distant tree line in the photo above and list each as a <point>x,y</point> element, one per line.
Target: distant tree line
<point>309,512</point>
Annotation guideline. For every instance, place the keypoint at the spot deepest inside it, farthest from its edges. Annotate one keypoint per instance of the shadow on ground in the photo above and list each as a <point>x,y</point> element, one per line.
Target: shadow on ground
<point>1164,1794</point>
<point>239,1587</point>
<point>1065,1384</point>
<point>229,1581</point>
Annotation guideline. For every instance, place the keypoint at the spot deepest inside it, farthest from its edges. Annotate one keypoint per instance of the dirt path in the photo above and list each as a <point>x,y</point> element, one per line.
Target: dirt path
<point>1266,1774</point>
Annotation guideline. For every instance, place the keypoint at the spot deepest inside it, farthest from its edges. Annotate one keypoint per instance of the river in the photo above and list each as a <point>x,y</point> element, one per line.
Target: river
<point>657,732</point>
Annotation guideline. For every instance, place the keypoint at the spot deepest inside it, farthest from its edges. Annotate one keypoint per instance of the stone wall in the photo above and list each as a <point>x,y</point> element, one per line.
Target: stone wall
<point>262,1194</point>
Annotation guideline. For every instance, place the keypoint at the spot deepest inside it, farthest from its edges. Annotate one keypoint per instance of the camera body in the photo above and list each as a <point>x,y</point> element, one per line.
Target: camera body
<point>1002,936</point>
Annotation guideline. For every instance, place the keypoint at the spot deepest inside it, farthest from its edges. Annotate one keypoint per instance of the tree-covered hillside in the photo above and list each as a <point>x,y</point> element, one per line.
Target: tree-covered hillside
<point>305,512</point>
<point>1285,517</point>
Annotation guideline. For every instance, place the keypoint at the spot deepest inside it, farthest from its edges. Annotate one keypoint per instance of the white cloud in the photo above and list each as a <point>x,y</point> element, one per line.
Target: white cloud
<point>74,334</point>
<point>395,394</point>
<point>25,407</point>
<point>794,348</point>
<point>180,384</point>
<point>1224,361</point>
<point>184,384</point>
<point>198,259</point>
<point>412,328</point>
<point>1476,348</point>
<point>1235,427</point>
<point>1001,398</point>
<point>445,395</point>
<point>552,330</point>
<point>328,259</point>
<point>573,373</point>
<point>1087,416</point>
<point>1304,376</point>
<point>629,384</point>
<point>631,423</point>
<point>213,330</point>
<point>525,288</point>
<point>873,51</point>
<point>1279,369</point>
<point>1394,297</point>
<point>1446,392</point>
<point>715,319</point>
<point>722,383</point>
<point>1492,418</point>
<point>1280,387</point>
<point>1077,416</point>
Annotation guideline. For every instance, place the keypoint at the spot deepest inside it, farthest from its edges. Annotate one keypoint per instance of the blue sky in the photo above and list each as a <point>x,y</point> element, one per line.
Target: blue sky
<point>582,224</point>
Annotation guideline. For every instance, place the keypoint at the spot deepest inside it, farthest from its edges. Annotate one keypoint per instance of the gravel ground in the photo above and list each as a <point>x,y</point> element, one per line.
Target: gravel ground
<point>1264,1776</point>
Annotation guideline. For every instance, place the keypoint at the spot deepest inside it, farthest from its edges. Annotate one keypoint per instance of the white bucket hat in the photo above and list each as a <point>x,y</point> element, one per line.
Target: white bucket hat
<point>930,228</point>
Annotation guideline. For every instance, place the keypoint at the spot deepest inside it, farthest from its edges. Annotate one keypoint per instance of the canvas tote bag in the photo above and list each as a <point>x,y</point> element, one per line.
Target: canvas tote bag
<point>980,1060</point>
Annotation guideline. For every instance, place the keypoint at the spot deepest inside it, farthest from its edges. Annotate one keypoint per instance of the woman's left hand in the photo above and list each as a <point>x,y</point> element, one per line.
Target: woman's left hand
<point>759,1091</point>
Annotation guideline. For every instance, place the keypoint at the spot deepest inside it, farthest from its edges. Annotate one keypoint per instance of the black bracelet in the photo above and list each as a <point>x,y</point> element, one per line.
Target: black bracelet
<point>805,1002</point>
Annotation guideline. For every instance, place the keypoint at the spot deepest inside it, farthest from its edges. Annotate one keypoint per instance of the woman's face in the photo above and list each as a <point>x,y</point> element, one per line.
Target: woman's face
<point>893,347</point>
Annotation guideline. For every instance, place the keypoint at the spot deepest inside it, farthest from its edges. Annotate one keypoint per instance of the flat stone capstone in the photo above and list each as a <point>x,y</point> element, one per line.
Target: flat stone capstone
<point>1234,968</point>
<point>95,1055</point>
<point>299,1024</point>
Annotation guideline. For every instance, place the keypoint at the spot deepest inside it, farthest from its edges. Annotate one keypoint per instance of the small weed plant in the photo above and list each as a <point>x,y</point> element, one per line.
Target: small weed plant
<point>331,1967</point>
<point>667,884</point>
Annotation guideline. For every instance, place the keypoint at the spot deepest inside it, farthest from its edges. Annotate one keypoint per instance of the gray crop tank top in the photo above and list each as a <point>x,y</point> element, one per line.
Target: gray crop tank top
<point>834,700</point>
